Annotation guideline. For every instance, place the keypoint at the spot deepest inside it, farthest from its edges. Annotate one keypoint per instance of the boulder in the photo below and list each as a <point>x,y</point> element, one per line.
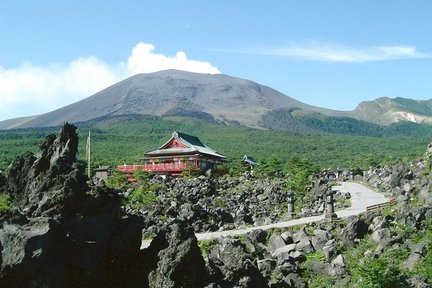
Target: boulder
<point>283,252</point>
<point>298,256</point>
<point>233,267</point>
<point>355,229</point>
<point>300,235</point>
<point>287,236</point>
<point>293,280</point>
<point>418,251</point>
<point>417,281</point>
<point>266,266</point>
<point>381,236</point>
<point>320,238</point>
<point>257,236</point>
<point>317,267</point>
<point>275,242</point>
<point>305,245</point>
<point>329,250</point>
<point>338,266</point>
<point>180,263</point>
<point>378,223</point>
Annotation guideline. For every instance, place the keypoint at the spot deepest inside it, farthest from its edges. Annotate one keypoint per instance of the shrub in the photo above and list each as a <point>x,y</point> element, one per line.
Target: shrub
<point>424,268</point>
<point>141,175</point>
<point>206,246</point>
<point>322,280</point>
<point>383,271</point>
<point>4,202</point>
<point>116,180</point>
<point>190,173</point>
<point>142,197</point>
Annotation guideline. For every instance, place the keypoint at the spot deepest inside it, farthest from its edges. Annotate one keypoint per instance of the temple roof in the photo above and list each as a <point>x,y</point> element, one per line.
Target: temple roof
<point>181,143</point>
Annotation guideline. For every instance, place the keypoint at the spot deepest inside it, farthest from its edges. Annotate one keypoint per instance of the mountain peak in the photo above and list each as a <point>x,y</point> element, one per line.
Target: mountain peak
<point>215,97</point>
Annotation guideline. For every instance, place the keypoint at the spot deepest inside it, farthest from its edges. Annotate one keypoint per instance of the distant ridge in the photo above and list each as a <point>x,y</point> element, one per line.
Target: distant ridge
<point>386,111</point>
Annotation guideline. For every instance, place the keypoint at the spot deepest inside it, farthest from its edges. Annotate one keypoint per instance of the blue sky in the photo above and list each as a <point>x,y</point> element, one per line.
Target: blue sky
<point>332,54</point>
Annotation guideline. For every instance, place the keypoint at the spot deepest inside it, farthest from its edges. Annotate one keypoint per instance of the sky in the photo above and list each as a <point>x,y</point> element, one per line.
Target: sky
<point>327,53</point>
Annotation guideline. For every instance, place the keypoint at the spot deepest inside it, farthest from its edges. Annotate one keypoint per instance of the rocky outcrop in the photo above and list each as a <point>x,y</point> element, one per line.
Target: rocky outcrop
<point>212,204</point>
<point>356,229</point>
<point>231,266</point>
<point>224,203</point>
<point>59,231</point>
<point>179,260</point>
<point>405,182</point>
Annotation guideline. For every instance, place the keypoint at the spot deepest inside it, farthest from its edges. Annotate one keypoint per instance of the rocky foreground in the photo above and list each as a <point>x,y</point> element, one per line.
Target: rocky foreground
<point>221,203</point>
<point>59,231</point>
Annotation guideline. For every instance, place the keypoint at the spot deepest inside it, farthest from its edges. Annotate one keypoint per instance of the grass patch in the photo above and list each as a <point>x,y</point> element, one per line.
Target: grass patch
<point>4,202</point>
<point>206,246</point>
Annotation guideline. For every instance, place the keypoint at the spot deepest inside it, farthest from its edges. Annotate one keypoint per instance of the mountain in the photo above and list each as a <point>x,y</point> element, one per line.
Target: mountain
<point>228,100</point>
<point>217,97</point>
<point>385,111</point>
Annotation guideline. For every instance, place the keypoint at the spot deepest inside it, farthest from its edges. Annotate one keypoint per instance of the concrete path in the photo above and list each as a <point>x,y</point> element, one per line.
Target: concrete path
<point>361,198</point>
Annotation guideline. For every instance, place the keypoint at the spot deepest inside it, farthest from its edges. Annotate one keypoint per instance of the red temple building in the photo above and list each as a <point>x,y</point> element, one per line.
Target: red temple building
<point>180,153</point>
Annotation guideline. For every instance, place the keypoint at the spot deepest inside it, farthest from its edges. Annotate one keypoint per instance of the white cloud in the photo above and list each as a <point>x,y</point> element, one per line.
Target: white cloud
<point>30,90</point>
<point>144,60</point>
<point>34,88</point>
<point>346,54</point>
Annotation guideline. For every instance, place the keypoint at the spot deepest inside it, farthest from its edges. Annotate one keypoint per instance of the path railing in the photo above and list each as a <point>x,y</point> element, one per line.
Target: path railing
<point>382,205</point>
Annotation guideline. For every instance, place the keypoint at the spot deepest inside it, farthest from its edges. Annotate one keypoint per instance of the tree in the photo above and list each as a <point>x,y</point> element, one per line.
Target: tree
<point>270,167</point>
<point>116,180</point>
<point>299,171</point>
<point>141,175</point>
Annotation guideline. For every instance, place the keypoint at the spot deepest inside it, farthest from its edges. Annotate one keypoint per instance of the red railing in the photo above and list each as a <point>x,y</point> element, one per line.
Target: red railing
<point>170,167</point>
<point>129,169</point>
<point>157,167</point>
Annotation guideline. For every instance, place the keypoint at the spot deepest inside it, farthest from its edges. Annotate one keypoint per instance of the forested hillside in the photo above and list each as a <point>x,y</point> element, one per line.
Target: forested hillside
<point>124,139</point>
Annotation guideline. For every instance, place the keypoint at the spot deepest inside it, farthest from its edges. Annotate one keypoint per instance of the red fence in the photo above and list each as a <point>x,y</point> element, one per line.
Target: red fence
<point>129,169</point>
<point>157,167</point>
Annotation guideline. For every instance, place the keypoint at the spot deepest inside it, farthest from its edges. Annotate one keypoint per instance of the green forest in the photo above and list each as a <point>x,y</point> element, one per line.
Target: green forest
<point>124,139</point>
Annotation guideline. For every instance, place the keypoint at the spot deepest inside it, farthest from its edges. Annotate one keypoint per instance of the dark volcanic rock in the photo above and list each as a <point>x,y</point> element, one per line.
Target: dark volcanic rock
<point>27,254</point>
<point>51,183</point>
<point>60,232</point>
<point>356,229</point>
<point>231,266</point>
<point>180,263</point>
<point>257,236</point>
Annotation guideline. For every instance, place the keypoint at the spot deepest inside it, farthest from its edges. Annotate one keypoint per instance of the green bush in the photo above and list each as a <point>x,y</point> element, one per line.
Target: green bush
<point>116,180</point>
<point>142,197</point>
<point>322,280</point>
<point>206,246</point>
<point>424,268</point>
<point>384,271</point>
<point>4,202</point>
<point>191,173</point>
<point>380,273</point>
<point>141,175</point>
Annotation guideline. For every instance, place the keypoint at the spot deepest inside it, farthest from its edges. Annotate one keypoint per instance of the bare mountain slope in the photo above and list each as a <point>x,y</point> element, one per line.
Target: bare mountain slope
<point>218,97</point>
<point>385,111</point>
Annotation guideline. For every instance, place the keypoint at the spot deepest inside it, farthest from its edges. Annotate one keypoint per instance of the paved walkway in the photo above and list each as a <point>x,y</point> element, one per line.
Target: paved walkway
<point>361,198</point>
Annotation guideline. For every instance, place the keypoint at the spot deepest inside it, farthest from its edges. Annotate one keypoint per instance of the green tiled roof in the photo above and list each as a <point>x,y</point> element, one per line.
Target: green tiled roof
<point>192,143</point>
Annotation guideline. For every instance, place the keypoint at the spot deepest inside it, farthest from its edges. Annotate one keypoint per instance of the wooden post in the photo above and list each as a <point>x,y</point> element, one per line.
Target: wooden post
<point>88,152</point>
